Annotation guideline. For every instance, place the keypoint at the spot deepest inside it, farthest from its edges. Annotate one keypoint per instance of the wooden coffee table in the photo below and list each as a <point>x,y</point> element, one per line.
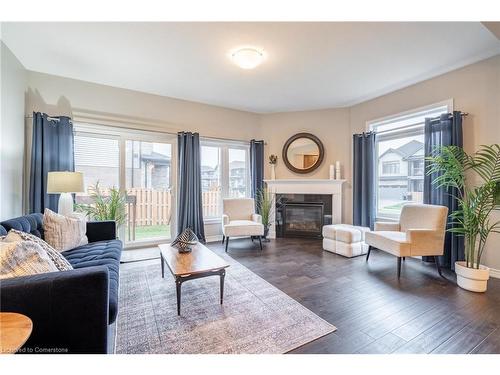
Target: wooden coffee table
<point>15,329</point>
<point>200,262</point>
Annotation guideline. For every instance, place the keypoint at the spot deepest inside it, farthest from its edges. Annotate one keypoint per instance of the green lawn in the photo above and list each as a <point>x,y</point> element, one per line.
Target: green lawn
<point>151,231</point>
<point>396,206</point>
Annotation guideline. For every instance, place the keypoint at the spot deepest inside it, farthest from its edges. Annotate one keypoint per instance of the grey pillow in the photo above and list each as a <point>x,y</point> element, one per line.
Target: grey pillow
<point>23,259</point>
<point>61,263</point>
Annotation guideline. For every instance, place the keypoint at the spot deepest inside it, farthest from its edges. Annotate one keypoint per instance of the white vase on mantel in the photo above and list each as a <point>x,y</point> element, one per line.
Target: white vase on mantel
<point>273,172</point>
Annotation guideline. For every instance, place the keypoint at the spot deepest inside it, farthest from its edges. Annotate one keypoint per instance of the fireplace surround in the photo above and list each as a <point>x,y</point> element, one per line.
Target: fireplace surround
<point>305,190</point>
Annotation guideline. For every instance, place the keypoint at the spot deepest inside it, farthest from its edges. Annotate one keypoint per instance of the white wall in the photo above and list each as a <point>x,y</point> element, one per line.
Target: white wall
<point>13,85</point>
<point>331,126</point>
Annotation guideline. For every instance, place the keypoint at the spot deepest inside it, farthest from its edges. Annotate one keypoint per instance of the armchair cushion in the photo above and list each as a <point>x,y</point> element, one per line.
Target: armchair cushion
<point>243,228</point>
<point>395,243</point>
<point>386,226</point>
<point>239,208</point>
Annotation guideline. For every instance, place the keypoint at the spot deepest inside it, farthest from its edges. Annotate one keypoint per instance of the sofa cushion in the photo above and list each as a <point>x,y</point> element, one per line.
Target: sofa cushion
<point>96,254</point>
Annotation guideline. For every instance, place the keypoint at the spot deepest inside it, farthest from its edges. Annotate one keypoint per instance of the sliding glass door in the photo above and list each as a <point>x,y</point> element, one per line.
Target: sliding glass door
<point>148,183</point>
<point>142,166</point>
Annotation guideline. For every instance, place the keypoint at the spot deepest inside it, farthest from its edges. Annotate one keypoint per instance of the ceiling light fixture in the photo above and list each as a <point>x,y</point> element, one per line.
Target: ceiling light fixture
<point>247,57</point>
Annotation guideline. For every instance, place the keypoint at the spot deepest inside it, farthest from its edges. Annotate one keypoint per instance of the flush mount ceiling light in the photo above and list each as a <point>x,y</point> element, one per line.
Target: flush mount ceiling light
<point>247,57</point>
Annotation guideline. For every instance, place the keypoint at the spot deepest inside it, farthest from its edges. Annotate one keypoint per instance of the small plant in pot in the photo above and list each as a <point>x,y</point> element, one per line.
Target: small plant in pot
<point>110,205</point>
<point>456,169</point>
<point>265,208</point>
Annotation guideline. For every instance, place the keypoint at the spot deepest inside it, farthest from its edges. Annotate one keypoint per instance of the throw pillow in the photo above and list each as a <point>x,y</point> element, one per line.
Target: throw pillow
<point>82,221</point>
<point>61,263</point>
<point>22,259</point>
<point>61,232</point>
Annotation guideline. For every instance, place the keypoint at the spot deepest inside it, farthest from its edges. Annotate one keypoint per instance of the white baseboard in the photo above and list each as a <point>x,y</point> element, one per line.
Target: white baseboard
<point>495,273</point>
<point>215,238</point>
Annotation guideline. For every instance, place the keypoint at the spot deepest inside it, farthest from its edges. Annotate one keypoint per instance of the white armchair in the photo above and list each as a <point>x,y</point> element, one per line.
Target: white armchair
<point>419,232</point>
<point>240,220</point>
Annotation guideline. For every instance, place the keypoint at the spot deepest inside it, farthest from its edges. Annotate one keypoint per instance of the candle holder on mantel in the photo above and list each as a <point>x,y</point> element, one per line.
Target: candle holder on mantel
<point>338,175</point>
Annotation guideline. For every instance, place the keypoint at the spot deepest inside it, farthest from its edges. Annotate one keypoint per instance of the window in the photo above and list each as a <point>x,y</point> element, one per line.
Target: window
<point>98,159</point>
<point>225,173</point>
<point>390,167</point>
<point>139,163</point>
<point>400,159</point>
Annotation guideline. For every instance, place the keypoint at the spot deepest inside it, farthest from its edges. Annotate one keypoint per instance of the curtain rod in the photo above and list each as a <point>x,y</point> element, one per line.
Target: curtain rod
<point>171,133</point>
<point>463,114</point>
<point>50,118</point>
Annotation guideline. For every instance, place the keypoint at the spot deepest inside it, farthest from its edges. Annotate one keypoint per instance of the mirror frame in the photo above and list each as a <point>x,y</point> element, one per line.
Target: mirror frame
<point>312,138</point>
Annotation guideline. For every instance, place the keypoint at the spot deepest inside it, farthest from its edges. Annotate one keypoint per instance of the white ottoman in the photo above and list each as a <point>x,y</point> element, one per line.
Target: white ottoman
<point>344,239</point>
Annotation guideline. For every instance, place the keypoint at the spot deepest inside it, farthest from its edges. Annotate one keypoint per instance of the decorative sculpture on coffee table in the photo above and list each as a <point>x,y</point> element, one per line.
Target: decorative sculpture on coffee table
<point>185,240</point>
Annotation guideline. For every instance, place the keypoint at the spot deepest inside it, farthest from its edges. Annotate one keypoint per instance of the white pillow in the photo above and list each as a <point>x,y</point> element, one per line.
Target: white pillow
<point>82,220</point>
<point>22,259</point>
<point>61,232</point>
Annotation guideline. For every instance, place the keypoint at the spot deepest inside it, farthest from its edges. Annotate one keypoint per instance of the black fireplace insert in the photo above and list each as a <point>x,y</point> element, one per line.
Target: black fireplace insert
<point>302,215</point>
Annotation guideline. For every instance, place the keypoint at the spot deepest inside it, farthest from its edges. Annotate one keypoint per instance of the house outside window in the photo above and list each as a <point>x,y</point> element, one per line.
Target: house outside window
<point>400,158</point>
<point>225,173</point>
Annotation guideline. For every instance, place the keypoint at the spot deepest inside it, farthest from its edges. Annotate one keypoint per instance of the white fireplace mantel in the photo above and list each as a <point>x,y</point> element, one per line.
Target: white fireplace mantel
<point>310,186</point>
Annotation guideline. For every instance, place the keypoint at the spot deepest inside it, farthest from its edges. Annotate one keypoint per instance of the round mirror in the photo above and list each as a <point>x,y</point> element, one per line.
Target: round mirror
<point>303,153</point>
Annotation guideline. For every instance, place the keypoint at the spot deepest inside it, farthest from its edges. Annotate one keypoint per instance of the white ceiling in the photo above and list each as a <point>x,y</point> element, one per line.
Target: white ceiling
<point>309,65</point>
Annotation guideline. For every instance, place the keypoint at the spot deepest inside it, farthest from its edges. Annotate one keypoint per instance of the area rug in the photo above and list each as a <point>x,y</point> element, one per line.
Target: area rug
<point>256,317</point>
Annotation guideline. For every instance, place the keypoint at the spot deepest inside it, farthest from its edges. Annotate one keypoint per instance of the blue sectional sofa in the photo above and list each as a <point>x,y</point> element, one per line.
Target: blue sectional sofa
<point>72,311</point>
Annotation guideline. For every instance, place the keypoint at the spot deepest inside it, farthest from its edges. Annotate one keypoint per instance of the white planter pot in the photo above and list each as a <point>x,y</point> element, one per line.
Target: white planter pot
<point>475,280</point>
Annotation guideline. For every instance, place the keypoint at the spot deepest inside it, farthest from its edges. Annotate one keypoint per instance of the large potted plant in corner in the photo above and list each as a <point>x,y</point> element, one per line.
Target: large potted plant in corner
<point>456,169</point>
<point>265,208</point>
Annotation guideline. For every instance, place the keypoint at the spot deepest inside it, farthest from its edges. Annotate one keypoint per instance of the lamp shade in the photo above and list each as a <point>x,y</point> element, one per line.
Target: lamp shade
<point>65,182</point>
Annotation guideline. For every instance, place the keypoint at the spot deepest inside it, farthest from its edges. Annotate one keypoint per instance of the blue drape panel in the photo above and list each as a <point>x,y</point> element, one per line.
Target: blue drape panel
<point>52,150</point>
<point>445,131</point>
<point>256,166</point>
<point>364,185</point>
<point>189,207</point>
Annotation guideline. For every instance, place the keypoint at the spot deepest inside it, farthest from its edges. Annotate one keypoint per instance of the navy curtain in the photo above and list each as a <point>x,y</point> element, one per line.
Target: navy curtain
<point>51,150</point>
<point>256,166</point>
<point>189,207</point>
<point>444,131</point>
<point>363,180</point>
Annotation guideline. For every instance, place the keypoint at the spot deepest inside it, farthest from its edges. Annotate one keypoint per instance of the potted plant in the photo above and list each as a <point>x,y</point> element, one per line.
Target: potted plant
<point>475,201</point>
<point>105,206</point>
<point>265,208</point>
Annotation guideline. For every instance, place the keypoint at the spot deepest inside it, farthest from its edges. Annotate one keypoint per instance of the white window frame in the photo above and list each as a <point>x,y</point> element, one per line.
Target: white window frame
<point>406,130</point>
<point>123,134</point>
<point>224,146</point>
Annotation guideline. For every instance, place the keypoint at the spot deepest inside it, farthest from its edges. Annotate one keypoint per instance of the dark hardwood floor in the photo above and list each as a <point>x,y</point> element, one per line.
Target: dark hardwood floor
<point>373,311</point>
